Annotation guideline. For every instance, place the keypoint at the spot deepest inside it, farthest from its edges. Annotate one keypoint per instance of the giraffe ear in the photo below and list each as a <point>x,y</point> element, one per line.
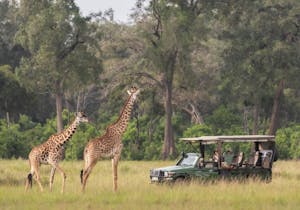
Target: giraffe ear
<point>128,92</point>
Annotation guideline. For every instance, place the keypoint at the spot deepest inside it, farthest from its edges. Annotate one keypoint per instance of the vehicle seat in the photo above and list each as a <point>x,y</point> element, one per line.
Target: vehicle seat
<point>253,159</point>
<point>238,161</point>
<point>256,157</point>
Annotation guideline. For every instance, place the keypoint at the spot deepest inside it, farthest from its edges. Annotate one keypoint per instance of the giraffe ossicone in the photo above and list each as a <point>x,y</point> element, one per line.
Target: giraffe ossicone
<point>109,144</point>
<point>51,152</point>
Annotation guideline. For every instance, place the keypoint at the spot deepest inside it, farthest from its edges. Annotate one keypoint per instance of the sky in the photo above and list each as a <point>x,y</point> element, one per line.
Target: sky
<point>122,8</point>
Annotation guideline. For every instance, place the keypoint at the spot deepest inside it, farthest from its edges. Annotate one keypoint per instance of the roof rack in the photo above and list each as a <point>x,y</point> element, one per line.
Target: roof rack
<point>235,138</point>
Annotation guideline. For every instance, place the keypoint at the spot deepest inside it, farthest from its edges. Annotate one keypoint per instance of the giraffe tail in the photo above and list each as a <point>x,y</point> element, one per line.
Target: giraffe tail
<point>81,175</point>
<point>29,177</point>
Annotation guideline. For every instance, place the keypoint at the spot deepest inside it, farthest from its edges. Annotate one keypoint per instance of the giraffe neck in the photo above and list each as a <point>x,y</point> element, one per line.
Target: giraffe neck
<point>122,122</point>
<point>66,134</point>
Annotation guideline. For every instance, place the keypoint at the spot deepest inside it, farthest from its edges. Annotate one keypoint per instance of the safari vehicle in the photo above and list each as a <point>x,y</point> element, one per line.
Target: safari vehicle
<point>221,164</point>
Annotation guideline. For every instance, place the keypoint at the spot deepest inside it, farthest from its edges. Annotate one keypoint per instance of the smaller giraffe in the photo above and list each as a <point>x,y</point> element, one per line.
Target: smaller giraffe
<point>51,152</point>
<point>110,144</point>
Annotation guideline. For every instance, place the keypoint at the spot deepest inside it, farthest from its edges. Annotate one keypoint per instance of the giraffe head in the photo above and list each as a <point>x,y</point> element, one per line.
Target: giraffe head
<point>81,117</point>
<point>133,92</point>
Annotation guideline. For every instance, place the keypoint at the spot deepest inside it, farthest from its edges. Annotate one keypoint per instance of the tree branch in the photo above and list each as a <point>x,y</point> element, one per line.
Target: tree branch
<point>71,48</point>
<point>149,76</point>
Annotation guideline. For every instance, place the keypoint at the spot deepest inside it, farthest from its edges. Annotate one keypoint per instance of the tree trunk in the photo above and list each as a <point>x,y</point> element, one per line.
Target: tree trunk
<point>168,147</point>
<point>59,121</point>
<point>7,119</point>
<point>245,120</point>
<point>196,117</point>
<point>255,119</point>
<point>275,110</point>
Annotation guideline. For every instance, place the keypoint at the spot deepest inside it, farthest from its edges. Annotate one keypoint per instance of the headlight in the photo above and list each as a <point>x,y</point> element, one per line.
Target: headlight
<point>168,174</point>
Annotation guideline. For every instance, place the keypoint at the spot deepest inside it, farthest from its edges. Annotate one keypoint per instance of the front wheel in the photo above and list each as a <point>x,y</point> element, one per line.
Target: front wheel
<point>179,180</point>
<point>182,180</point>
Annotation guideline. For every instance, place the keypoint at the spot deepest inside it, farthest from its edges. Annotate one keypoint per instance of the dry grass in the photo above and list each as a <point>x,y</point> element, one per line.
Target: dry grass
<point>135,192</point>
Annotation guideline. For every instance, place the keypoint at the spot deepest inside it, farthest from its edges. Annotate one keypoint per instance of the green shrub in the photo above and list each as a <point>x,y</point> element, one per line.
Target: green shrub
<point>288,142</point>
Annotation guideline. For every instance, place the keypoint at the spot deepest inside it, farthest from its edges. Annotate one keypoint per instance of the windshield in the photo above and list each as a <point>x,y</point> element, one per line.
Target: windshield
<point>189,160</point>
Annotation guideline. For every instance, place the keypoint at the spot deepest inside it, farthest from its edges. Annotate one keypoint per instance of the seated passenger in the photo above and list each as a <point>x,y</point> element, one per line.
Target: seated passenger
<point>215,158</point>
<point>238,161</point>
<point>228,157</point>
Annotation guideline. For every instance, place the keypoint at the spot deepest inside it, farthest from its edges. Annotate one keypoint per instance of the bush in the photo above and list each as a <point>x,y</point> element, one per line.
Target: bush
<point>288,142</point>
<point>224,122</point>
<point>17,139</point>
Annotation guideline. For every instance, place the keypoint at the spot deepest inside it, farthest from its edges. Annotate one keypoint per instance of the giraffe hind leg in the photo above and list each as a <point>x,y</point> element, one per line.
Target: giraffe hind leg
<point>86,172</point>
<point>29,177</point>
<point>81,176</point>
<point>38,179</point>
<point>28,181</point>
<point>33,171</point>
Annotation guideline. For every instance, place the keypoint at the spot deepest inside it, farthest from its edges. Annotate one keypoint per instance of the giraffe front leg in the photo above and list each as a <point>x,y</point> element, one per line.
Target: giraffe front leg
<point>115,173</point>
<point>52,178</point>
<point>63,174</point>
<point>115,162</point>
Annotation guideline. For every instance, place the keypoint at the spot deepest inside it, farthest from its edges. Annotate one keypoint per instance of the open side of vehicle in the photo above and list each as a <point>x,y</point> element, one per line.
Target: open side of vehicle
<point>222,164</point>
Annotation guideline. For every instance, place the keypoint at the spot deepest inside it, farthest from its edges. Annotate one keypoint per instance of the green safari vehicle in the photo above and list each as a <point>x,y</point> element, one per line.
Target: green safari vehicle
<point>221,164</point>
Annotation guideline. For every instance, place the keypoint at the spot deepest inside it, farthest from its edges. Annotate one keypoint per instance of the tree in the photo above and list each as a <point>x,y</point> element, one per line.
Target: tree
<point>60,57</point>
<point>262,58</point>
<point>14,99</point>
<point>10,53</point>
<point>167,29</point>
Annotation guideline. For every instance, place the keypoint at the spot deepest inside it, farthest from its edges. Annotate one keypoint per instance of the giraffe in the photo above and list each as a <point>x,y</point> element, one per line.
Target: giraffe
<point>110,144</point>
<point>51,152</point>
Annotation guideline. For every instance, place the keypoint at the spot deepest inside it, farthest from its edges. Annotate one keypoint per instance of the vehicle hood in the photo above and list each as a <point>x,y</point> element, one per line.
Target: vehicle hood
<point>173,168</point>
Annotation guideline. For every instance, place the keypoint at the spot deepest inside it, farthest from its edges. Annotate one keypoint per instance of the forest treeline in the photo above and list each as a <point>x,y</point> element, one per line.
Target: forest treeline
<point>203,67</point>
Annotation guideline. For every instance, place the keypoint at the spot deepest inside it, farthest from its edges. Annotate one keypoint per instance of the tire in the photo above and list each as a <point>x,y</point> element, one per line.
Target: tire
<point>180,180</point>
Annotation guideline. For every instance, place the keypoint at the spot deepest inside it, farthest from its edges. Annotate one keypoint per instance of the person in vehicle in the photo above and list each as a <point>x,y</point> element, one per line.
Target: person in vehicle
<point>228,157</point>
<point>215,158</point>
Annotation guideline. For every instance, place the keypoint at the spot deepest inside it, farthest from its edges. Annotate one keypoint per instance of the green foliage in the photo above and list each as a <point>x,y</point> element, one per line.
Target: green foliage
<point>223,121</point>
<point>216,57</point>
<point>13,97</point>
<point>84,133</point>
<point>288,142</point>
<point>144,144</point>
<point>75,147</point>
<point>198,130</point>
<point>17,139</point>
<point>54,34</point>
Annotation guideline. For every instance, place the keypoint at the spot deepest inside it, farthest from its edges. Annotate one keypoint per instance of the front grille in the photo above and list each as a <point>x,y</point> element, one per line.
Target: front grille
<point>157,173</point>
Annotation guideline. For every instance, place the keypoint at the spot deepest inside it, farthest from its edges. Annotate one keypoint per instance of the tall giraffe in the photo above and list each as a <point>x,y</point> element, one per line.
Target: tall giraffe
<point>110,144</point>
<point>51,152</point>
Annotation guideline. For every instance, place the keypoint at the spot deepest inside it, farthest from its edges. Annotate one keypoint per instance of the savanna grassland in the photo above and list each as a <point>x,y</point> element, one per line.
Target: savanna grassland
<point>135,192</point>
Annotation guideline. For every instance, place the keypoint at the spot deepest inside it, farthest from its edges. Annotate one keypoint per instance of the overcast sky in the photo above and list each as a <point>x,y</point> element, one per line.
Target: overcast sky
<point>122,8</point>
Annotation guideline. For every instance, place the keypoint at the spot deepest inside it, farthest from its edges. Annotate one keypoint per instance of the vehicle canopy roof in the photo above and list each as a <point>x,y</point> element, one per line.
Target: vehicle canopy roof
<point>223,139</point>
